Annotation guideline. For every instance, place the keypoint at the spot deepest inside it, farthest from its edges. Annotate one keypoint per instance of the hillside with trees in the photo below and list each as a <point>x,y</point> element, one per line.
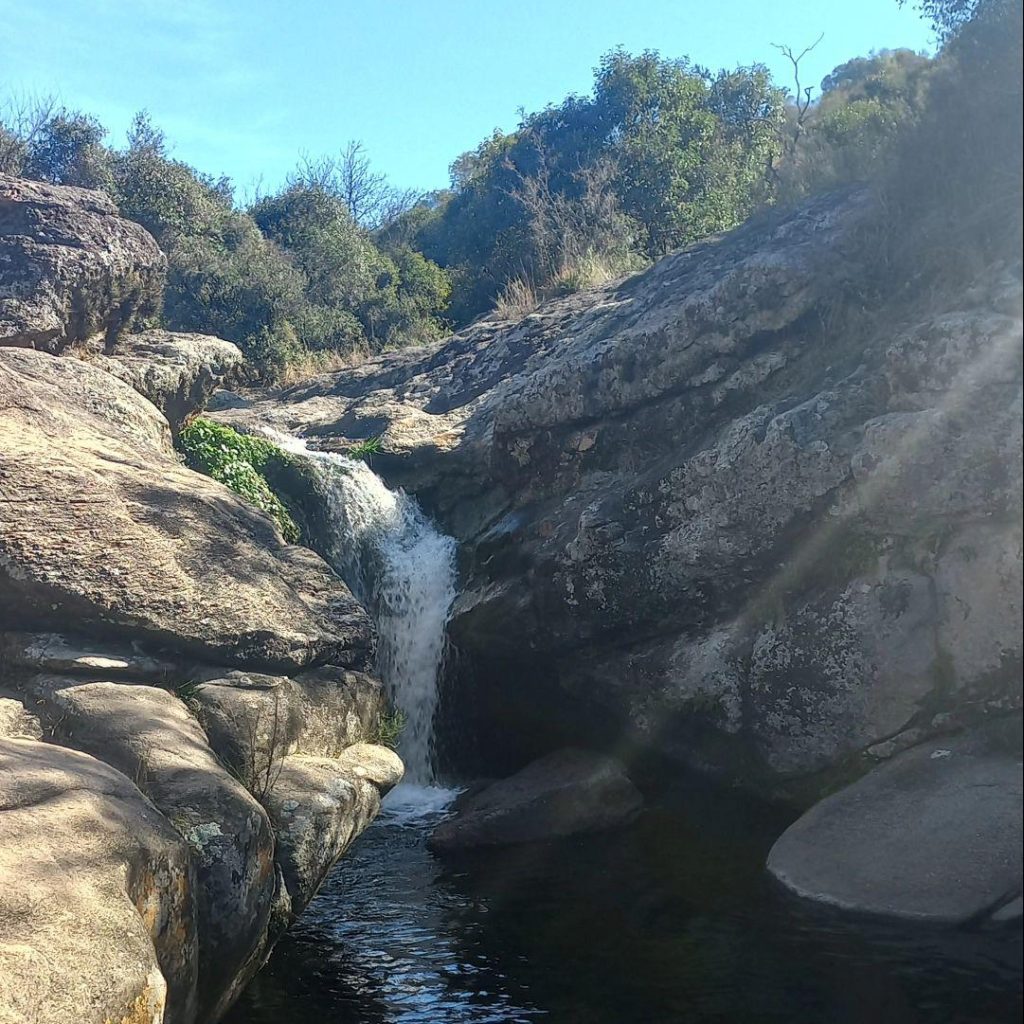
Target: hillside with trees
<point>662,153</point>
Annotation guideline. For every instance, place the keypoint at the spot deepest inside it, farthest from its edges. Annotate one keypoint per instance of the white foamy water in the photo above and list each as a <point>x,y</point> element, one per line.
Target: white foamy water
<point>402,568</point>
<point>412,804</point>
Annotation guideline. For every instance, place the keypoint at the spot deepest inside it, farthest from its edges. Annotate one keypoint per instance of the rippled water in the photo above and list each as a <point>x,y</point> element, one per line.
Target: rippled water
<point>671,920</point>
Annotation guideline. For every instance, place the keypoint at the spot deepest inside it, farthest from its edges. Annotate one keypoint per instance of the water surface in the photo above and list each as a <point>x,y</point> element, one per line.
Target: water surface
<point>671,920</point>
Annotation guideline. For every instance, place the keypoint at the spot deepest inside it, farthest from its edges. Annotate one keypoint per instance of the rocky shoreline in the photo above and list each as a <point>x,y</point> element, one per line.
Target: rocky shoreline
<point>186,725</point>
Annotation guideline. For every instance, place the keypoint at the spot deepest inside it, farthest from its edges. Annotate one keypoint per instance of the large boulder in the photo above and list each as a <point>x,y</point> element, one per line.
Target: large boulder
<point>716,509</point>
<point>150,736</point>
<point>566,793</point>
<point>176,372</point>
<point>71,269</point>
<point>159,553</point>
<point>259,841</point>
<point>97,913</point>
<point>318,806</point>
<point>148,876</point>
<point>254,719</point>
<point>216,870</point>
<point>934,835</point>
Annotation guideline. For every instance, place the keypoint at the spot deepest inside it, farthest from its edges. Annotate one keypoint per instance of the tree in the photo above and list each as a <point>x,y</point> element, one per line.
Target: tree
<point>166,196</point>
<point>662,153</point>
<point>22,121</point>
<point>61,146</point>
<point>349,177</point>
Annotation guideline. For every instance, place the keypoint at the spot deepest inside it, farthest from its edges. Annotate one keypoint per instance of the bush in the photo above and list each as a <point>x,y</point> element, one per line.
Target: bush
<point>238,461</point>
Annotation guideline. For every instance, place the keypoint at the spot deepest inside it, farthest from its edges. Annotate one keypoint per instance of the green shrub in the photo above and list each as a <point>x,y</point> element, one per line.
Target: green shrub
<point>238,461</point>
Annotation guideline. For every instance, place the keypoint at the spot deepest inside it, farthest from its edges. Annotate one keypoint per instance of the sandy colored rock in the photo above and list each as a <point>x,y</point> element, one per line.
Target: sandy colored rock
<point>100,924</point>
<point>176,372</point>
<point>17,721</point>
<point>255,719</point>
<point>319,805</point>
<point>161,554</point>
<point>150,736</point>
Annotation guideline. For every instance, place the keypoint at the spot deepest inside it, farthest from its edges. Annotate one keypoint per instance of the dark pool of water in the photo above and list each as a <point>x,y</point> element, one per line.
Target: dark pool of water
<point>670,920</point>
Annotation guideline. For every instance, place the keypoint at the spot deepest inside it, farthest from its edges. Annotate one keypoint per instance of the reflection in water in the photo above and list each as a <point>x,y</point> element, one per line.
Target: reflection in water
<point>671,920</point>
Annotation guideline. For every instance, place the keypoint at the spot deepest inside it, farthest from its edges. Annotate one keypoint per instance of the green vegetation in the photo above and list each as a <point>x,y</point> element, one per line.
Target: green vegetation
<point>239,461</point>
<point>363,450</point>
<point>389,728</point>
<point>661,153</point>
<point>188,693</point>
<point>292,278</point>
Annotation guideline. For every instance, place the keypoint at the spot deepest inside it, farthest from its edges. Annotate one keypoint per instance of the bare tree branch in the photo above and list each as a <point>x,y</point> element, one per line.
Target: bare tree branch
<point>802,95</point>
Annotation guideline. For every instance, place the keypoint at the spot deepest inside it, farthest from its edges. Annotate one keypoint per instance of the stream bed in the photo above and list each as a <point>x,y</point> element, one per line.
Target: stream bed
<point>672,919</point>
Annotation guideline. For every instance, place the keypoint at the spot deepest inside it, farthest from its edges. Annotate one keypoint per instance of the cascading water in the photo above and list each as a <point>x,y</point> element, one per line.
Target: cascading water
<point>403,571</point>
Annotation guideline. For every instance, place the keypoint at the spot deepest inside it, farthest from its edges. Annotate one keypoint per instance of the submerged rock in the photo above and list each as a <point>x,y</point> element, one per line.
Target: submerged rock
<point>933,835</point>
<point>566,793</point>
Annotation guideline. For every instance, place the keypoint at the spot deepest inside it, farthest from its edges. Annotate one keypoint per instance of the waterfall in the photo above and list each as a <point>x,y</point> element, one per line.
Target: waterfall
<point>402,568</point>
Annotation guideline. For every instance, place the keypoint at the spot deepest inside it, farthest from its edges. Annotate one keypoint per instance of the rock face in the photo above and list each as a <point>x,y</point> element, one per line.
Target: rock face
<point>71,269</point>
<point>934,835</point>
<point>176,372</point>
<point>160,553</point>
<point>717,510</point>
<point>566,793</point>
<point>186,735</point>
<point>98,919</point>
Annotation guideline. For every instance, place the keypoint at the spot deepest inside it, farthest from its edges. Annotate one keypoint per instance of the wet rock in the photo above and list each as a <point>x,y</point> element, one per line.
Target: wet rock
<point>319,805</point>
<point>566,793</point>
<point>935,834</point>
<point>71,269</point>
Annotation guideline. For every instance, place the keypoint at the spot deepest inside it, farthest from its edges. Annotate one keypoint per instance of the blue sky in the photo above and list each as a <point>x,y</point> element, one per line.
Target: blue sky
<point>244,86</point>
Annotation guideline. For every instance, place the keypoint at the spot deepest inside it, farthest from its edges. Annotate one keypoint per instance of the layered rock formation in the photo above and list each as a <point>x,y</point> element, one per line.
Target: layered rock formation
<point>722,510</point>
<point>186,725</point>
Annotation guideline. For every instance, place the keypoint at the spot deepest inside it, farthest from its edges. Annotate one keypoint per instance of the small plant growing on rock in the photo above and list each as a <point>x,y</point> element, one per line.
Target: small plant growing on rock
<point>238,461</point>
<point>364,449</point>
<point>390,726</point>
<point>188,693</point>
